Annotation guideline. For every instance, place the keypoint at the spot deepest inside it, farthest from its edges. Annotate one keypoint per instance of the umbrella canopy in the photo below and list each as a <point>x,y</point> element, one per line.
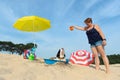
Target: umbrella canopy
<point>82,57</point>
<point>32,24</point>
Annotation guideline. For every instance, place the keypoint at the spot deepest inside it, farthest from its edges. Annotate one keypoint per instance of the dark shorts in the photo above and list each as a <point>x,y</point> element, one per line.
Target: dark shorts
<point>98,43</point>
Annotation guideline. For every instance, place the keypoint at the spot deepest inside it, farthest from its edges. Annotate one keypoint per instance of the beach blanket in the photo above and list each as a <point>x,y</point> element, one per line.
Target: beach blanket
<point>50,61</point>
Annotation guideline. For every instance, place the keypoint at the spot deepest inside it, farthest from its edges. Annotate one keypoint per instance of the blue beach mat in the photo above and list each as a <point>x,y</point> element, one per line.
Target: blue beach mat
<point>49,61</point>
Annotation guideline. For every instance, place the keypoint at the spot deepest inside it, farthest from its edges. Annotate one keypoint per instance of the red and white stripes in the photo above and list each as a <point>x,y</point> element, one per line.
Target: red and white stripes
<point>82,57</point>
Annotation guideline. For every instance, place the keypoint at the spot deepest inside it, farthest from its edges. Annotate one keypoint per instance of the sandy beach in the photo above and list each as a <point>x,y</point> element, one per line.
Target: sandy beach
<point>14,67</point>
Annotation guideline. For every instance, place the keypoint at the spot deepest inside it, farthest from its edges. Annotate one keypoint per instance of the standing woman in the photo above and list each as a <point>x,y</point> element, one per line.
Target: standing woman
<point>96,40</point>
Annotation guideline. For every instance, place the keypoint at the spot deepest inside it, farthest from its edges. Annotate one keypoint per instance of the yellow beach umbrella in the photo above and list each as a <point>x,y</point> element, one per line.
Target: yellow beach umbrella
<point>32,24</point>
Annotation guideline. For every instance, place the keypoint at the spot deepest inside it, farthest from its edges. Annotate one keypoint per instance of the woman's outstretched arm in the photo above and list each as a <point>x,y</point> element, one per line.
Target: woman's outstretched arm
<point>79,28</point>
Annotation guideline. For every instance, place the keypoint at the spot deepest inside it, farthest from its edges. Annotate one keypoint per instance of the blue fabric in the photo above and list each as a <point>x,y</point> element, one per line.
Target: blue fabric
<point>93,36</point>
<point>98,43</point>
<point>49,61</point>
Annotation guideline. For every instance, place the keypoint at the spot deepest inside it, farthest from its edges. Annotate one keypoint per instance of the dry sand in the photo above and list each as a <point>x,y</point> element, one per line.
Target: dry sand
<point>14,67</point>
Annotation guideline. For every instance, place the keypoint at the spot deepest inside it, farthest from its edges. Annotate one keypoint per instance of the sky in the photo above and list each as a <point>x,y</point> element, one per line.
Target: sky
<point>62,14</point>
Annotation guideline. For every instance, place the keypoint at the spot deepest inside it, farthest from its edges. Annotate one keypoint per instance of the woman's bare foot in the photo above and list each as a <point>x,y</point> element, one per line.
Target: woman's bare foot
<point>107,71</point>
<point>97,68</point>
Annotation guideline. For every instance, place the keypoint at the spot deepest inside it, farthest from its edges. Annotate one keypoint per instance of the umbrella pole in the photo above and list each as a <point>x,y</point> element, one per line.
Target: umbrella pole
<point>33,35</point>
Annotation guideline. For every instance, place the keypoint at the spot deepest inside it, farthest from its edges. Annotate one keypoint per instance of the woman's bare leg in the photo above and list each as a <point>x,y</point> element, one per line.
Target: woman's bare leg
<point>104,57</point>
<point>97,61</point>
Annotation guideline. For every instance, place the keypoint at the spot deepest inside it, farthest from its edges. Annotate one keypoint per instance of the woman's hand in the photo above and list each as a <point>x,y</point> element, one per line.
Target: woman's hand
<point>71,28</point>
<point>104,43</point>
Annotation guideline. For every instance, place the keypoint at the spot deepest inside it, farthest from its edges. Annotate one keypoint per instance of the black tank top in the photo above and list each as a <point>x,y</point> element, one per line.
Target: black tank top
<point>93,35</point>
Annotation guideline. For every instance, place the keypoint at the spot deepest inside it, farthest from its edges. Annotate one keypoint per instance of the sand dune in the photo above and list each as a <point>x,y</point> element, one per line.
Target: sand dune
<point>14,67</point>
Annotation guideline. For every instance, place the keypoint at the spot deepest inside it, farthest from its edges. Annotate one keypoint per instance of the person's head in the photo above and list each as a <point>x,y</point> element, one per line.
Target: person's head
<point>88,21</point>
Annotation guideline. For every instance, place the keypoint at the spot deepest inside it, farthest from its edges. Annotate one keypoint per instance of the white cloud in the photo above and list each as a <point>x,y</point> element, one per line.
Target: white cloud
<point>108,9</point>
<point>111,9</point>
<point>61,7</point>
<point>7,12</point>
<point>68,6</point>
<point>89,4</point>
